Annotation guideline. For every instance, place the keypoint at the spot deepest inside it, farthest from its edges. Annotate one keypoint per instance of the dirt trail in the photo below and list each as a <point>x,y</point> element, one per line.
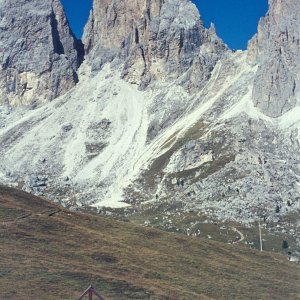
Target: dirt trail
<point>242,237</point>
<point>50,213</point>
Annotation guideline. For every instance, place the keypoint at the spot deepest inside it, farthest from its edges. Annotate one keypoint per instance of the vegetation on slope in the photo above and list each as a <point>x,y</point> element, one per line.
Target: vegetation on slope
<point>48,253</point>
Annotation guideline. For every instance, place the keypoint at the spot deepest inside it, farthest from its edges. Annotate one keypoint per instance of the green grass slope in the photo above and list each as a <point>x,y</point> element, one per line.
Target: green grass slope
<point>47,252</point>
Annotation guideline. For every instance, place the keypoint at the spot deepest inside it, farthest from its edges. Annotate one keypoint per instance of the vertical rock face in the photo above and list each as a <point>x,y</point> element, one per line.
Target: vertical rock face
<point>39,55</point>
<point>157,39</point>
<point>276,49</point>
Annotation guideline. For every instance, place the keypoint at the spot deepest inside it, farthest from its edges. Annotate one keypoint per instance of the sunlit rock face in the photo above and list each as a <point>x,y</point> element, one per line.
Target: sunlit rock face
<point>156,39</point>
<point>39,55</point>
<point>276,50</point>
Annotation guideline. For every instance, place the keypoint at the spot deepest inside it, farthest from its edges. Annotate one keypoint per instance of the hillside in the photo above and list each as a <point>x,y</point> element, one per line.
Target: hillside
<point>48,252</point>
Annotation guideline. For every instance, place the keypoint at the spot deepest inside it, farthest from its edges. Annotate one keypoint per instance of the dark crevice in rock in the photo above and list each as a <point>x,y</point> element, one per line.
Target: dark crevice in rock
<point>79,46</point>
<point>136,36</point>
<point>75,77</point>
<point>294,88</point>
<point>57,44</point>
<point>181,42</point>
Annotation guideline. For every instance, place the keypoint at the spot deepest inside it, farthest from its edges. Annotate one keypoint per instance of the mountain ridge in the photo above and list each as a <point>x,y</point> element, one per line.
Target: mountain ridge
<point>156,39</point>
<point>208,131</point>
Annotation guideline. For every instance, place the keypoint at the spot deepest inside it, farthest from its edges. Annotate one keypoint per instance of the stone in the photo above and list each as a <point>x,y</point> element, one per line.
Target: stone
<point>67,127</point>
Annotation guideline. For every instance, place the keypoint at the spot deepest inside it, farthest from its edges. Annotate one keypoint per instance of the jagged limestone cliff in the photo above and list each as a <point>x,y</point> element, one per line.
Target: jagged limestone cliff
<point>39,55</point>
<point>275,48</point>
<point>157,40</point>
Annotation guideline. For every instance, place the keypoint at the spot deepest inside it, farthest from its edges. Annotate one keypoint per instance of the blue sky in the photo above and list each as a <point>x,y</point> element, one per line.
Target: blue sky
<point>77,12</point>
<point>236,20</point>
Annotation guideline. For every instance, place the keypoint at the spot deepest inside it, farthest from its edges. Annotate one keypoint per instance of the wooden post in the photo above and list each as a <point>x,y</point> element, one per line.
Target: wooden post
<point>260,239</point>
<point>89,292</point>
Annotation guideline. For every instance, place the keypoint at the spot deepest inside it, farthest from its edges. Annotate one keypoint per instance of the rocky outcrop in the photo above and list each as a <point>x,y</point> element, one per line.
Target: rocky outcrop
<point>276,50</point>
<point>39,55</point>
<point>157,40</point>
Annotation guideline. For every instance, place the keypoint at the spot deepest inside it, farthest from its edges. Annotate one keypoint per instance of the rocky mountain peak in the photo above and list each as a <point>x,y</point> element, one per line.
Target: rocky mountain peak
<point>157,39</point>
<point>39,55</point>
<point>276,49</point>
